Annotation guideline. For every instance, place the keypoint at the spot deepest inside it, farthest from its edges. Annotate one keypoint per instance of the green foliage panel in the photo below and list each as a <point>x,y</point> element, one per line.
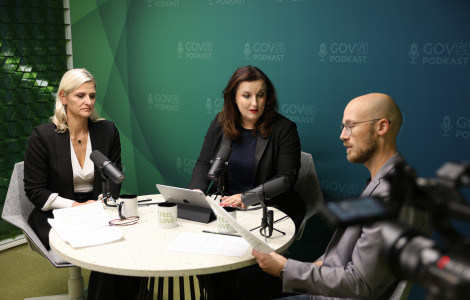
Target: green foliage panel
<point>32,61</point>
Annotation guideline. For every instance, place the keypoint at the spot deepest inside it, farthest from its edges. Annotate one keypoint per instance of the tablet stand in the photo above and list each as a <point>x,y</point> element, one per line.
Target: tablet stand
<point>195,213</point>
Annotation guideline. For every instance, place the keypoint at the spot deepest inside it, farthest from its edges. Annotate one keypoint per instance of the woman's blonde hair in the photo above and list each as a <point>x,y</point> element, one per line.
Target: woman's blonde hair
<point>71,80</point>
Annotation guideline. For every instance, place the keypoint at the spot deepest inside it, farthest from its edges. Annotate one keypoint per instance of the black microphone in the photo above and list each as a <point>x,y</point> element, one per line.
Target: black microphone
<point>108,167</point>
<point>219,163</point>
<point>265,191</point>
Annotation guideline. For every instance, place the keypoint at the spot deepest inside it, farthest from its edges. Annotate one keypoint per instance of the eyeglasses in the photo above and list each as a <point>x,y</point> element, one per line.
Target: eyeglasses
<point>350,125</point>
<point>125,221</point>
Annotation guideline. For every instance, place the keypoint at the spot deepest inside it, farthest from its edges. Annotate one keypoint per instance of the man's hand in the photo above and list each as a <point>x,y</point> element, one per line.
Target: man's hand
<point>271,263</point>
<point>83,203</point>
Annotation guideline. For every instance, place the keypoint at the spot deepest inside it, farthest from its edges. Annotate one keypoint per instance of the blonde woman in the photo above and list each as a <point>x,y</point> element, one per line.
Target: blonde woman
<point>59,173</point>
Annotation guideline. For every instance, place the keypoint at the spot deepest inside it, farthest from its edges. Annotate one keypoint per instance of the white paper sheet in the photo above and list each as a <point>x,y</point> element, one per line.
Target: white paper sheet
<point>254,241</point>
<point>206,243</point>
<point>85,225</point>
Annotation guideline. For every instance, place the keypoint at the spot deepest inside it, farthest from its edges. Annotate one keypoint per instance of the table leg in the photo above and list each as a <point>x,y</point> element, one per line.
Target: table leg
<point>191,288</point>
<point>143,288</point>
<point>205,288</point>
<point>151,288</point>
<point>160,288</point>
<point>181,284</point>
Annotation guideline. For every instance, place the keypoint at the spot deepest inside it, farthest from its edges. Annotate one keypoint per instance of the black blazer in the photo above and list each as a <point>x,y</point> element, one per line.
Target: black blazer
<point>276,156</point>
<point>48,167</point>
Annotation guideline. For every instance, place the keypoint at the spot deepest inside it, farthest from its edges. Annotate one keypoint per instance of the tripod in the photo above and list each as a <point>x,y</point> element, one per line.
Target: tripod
<point>267,223</point>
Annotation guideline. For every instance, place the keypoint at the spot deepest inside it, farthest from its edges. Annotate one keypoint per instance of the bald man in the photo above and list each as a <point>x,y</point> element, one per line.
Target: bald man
<point>350,267</point>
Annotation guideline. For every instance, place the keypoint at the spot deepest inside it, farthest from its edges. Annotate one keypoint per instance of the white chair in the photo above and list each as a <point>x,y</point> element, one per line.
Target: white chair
<point>16,211</point>
<point>308,187</point>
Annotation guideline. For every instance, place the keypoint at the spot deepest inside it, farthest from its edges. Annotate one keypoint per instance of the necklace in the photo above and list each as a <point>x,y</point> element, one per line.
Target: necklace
<point>79,140</point>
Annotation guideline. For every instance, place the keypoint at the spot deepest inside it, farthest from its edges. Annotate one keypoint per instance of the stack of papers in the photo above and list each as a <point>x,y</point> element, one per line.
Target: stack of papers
<point>209,244</point>
<point>85,225</point>
<point>218,243</point>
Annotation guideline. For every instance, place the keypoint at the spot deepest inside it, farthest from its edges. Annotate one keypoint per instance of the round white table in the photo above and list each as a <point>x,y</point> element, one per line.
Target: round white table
<point>142,250</point>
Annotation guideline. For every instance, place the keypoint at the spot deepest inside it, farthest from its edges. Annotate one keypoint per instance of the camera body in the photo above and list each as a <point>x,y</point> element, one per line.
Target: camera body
<point>444,270</point>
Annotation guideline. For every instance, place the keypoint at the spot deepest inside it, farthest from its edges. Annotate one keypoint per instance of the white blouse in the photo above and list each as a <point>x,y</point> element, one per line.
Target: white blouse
<point>82,179</point>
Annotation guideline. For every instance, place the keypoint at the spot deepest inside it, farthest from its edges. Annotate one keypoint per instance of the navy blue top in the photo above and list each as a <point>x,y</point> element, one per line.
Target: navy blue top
<point>240,166</point>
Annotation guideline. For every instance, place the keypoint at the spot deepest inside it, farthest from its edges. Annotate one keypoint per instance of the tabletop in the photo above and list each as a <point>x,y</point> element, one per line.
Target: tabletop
<point>142,250</point>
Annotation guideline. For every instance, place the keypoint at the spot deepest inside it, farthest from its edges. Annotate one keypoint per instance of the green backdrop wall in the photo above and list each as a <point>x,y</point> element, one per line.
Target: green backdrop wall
<point>161,67</point>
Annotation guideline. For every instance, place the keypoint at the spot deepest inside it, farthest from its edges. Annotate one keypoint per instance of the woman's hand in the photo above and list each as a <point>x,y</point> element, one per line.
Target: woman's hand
<point>234,201</point>
<point>83,203</point>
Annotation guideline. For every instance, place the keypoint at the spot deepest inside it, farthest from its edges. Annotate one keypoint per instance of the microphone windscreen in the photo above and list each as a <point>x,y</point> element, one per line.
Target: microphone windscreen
<point>224,152</point>
<point>98,158</point>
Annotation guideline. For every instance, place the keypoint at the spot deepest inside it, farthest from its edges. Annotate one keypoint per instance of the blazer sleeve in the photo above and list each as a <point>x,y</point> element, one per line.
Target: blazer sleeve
<point>288,159</point>
<point>212,140</point>
<point>364,276</point>
<point>36,169</point>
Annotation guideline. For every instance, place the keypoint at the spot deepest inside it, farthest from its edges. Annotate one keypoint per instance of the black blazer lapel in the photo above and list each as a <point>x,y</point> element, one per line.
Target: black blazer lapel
<point>97,143</point>
<point>259,150</point>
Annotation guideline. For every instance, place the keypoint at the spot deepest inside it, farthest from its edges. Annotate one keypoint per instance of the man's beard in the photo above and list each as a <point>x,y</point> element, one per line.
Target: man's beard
<point>363,155</point>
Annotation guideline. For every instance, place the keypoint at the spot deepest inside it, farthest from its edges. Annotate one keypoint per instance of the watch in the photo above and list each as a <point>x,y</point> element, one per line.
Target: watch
<point>281,274</point>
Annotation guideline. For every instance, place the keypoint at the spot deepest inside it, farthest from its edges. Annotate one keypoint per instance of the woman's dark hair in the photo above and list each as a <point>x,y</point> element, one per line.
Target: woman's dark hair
<point>230,115</point>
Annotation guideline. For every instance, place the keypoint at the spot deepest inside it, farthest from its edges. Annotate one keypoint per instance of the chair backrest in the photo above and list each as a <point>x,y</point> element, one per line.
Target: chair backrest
<point>16,211</point>
<point>308,186</point>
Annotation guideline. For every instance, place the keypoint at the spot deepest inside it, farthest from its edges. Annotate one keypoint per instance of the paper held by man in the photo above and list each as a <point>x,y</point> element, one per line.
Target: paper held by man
<point>254,241</point>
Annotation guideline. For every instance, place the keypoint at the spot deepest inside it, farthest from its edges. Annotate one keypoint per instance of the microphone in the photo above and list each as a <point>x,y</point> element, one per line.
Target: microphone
<point>108,167</point>
<point>265,191</point>
<point>219,163</point>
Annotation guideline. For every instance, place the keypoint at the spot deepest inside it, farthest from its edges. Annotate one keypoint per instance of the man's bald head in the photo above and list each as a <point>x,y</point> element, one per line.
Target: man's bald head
<point>377,105</point>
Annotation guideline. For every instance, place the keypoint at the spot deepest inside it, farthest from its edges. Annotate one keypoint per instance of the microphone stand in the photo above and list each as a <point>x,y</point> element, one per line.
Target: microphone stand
<point>106,188</point>
<point>267,221</point>
<point>221,185</point>
<point>220,180</point>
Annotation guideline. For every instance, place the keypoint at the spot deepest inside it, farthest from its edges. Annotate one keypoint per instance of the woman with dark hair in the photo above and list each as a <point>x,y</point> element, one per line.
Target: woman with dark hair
<point>265,145</point>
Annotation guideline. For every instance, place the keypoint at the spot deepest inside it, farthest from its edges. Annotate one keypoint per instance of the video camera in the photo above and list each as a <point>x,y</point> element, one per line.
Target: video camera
<point>444,270</point>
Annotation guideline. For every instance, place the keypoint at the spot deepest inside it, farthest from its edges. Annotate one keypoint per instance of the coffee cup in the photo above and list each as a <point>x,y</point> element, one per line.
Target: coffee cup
<point>223,226</point>
<point>167,215</point>
<point>127,206</point>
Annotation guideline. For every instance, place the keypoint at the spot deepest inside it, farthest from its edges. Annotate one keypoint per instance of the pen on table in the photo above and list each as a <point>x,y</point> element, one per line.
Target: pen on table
<point>144,200</point>
<point>147,204</point>
<point>206,231</point>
